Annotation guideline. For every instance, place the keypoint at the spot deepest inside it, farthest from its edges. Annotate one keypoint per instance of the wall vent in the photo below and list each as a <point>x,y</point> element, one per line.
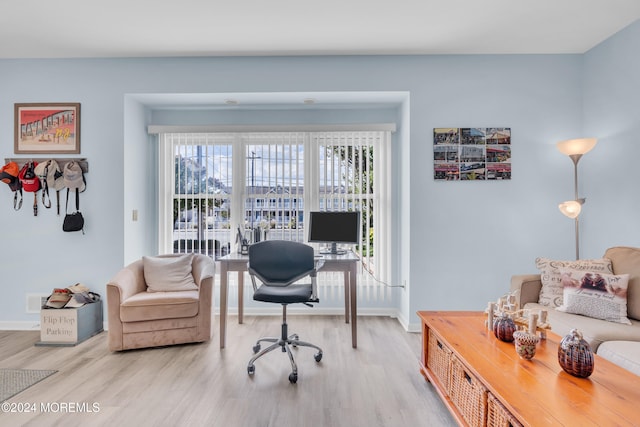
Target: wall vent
<point>35,302</point>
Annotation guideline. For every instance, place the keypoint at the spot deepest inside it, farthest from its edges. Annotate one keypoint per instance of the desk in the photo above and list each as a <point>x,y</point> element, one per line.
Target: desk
<point>347,263</point>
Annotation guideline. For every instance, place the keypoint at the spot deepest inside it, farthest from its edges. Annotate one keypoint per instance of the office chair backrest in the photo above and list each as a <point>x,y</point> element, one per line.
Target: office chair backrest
<point>280,261</point>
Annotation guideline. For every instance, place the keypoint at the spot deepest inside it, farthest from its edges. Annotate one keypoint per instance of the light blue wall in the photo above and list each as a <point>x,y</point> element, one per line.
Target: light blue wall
<point>467,238</point>
<point>139,165</point>
<point>470,237</point>
<point>612,114</point>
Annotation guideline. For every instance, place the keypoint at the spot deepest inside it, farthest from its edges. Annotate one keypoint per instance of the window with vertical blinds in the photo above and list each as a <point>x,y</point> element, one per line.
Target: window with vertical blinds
<point>262,185</point>
<point>196,192</point>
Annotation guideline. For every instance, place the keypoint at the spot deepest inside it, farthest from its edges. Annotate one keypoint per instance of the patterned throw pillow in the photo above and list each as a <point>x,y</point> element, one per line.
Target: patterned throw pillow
<point>597,295</point>
<point>551,292</point>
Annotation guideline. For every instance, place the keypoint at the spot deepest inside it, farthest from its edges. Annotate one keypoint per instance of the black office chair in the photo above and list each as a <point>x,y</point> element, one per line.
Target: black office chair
<point>278,264</point>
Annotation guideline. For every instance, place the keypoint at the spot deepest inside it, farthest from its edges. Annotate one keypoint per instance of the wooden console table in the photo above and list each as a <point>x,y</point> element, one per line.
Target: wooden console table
<point>531,393</point>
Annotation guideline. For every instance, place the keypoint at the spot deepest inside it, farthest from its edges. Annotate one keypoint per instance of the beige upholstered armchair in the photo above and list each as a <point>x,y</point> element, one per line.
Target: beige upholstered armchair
<point>158,301</point>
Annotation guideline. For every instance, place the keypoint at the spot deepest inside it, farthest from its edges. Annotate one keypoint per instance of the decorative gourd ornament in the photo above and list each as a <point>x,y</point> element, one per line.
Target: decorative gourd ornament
<point>575,355</point>
<point>504,327</point>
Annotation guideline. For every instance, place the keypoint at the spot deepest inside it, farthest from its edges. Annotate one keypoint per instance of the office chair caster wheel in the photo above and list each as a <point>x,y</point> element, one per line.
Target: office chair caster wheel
<point>294,340</point>
<point>256,348</point>
<point>251,369</point>
<point>293,378</point>
<point>318,356</point>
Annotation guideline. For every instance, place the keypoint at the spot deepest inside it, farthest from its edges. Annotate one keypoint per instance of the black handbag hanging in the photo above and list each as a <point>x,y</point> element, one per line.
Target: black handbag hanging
<point>73,221</point>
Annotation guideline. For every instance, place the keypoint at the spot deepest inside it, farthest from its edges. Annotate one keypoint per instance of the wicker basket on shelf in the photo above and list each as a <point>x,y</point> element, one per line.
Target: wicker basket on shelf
<point>439,360</point>
<point>497,414</point>
<point>468,394</point>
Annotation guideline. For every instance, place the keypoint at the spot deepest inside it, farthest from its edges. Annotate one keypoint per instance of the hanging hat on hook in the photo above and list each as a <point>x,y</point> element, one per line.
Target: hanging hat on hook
<point>74,177</point>
<point>51,179</point>
<point>50,170</point>
<point>30,182</point>
<point>28,178</point>
<point>9,175</point>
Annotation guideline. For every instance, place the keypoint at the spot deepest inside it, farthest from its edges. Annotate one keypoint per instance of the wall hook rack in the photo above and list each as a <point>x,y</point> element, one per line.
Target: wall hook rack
<point>62,161</point>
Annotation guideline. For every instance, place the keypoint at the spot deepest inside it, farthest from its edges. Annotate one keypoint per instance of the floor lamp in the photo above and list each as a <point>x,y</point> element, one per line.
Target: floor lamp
<point>575,149</point>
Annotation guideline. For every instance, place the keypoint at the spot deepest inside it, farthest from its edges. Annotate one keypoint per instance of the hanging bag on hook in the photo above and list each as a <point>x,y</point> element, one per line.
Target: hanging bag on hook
<point>73,221</point>
<point>74,180</point>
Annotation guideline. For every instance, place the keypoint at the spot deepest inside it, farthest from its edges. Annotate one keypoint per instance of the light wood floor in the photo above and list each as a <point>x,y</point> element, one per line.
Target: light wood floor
<point>377,384</point>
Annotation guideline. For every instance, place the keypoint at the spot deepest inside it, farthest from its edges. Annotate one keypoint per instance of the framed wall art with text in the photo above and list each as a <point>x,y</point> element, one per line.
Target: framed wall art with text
<point>47,128</point>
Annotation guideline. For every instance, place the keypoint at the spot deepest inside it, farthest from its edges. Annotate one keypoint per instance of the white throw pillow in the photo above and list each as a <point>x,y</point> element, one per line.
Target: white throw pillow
<point>552,290</point>
<point>597,295</point>
<point>164,274</point>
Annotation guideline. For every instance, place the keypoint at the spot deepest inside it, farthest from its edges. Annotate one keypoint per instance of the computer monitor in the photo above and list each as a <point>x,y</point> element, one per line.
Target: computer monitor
<point>334,228</point>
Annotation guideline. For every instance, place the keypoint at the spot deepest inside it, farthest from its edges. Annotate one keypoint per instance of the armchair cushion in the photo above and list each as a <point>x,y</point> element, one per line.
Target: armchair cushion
<point>166,274</point>
<point>159,305</point>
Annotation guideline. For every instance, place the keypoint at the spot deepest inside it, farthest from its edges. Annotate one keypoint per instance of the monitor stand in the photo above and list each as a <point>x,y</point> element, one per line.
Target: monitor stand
<point>333,250</point>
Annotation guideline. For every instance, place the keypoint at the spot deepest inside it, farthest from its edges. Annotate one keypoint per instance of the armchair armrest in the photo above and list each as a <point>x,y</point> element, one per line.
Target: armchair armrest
<point>128,281</point>
<point>527,288</point>
<point>202,268</point>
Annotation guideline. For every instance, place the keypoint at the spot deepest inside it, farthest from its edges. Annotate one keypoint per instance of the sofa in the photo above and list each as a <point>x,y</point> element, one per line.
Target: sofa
<point>614,340</point>
<point>160,301</point>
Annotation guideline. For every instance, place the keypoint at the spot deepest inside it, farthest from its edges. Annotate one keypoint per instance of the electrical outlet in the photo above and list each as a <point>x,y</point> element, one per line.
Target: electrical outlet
<point>134,215</point>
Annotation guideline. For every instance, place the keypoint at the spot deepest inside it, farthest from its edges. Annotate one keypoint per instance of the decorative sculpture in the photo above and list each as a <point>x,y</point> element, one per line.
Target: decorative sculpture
<point>533,321</point>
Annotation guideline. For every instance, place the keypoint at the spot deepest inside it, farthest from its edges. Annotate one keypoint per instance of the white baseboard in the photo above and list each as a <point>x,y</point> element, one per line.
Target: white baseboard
<point>26,326</point>
<point>409,327</point>
<point>266,311</point>
<point>20,326</point>
<point>330,311</point>
<point>414,327</point>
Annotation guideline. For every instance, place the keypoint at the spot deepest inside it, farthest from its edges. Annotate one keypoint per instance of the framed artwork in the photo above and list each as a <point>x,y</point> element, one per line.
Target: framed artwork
<point>471,154</point>
<point>47,128</point>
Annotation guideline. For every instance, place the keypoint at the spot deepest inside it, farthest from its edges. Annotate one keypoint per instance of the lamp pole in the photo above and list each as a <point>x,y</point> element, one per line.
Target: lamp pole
<point>576,158</point>
<point>575,149</point>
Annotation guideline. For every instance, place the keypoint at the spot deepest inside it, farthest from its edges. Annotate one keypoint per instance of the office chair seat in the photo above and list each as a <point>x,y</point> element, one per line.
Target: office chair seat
<point>277,264</point>
<point>283,294</point>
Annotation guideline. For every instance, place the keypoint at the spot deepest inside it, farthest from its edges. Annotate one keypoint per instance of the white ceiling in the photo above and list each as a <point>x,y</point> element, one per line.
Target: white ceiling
<point>163,28</point>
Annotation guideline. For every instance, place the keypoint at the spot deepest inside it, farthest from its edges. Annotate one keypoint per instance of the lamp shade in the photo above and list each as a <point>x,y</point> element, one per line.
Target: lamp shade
<point>570,209</point>
<point>576,146</point>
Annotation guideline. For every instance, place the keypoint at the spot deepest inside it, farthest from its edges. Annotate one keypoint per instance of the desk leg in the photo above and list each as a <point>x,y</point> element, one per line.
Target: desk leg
<point>240,295</point>
<point>224,287</point>
<point>347,292</point>
<point>354,310</point>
